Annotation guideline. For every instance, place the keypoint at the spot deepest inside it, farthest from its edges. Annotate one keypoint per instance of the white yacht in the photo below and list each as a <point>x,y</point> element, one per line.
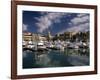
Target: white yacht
<point>30,45</point>
<point>40,45</point>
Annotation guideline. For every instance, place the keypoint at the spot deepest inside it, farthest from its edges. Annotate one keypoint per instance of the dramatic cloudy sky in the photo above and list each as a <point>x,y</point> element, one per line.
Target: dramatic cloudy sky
<point>55,22</point>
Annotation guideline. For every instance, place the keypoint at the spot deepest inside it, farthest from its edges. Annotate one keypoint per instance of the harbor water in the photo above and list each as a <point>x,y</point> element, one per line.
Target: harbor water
<point>55,58</point>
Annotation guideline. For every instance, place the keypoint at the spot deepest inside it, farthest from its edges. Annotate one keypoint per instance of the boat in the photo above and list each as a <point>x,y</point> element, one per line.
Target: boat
<point>41,46</point>
<point>83,45</point>
<point>24,43</point>
<point>49,45</point>
<point>30,45</point>
<point>73,45</point>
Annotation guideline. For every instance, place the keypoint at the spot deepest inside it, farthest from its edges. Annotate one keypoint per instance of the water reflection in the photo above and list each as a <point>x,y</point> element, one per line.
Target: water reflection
<point>55,58</point>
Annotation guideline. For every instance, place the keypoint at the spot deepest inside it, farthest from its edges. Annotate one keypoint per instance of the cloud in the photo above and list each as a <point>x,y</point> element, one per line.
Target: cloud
<point>25,27</point>
<point>78,23</point>
<point>80,19</point>
<point>81,15</point>
<point>82,27</point>
<point>47,19</point>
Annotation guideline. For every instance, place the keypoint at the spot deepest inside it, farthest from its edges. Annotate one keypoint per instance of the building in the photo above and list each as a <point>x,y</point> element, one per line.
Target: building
<point>49,36</point>
<point>27,36</point>
<point>35,37</point>
<point>42,38</point>
<point>38,37</point>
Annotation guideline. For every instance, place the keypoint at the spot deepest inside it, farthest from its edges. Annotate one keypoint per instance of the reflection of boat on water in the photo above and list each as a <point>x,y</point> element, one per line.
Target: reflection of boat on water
<point>55,58</point>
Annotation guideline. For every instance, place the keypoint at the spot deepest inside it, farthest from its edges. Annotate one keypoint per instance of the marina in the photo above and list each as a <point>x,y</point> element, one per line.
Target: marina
<point>55,55</point>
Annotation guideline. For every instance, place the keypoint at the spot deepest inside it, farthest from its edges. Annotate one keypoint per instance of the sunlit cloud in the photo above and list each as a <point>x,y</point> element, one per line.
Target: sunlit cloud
<point>80,19</point>
<point>82,27</point>
<point>78,23</point>
<point>46,20</point>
